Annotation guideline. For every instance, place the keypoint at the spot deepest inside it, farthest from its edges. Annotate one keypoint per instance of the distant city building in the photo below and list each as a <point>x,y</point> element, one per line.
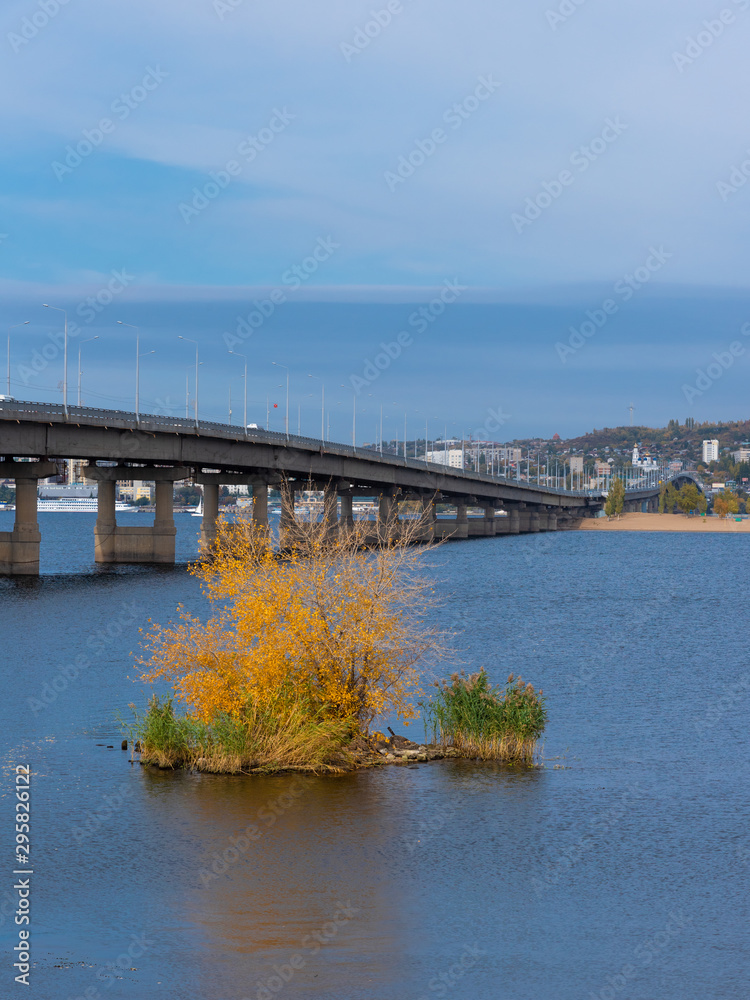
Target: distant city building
<point>241,491</point>
<point>134,490</point>
<point>576,463</point>
<point>743,452</point>
<point>452,457</point>
<point>647,463</point>
<point>711,450</point>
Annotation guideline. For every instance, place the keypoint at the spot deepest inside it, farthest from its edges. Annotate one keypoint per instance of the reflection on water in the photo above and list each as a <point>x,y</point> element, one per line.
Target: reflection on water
<point>627,865</point>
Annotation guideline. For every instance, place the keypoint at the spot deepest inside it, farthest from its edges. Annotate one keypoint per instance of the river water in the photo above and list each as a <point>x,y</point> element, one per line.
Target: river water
<point>618,869</point>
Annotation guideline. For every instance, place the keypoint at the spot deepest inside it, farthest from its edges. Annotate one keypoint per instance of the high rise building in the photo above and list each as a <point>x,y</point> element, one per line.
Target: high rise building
<point>711,451</point>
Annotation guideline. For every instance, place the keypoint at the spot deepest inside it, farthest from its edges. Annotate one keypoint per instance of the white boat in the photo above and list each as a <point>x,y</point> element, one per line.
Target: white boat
<point>198,512</point>
<point>87,505</point>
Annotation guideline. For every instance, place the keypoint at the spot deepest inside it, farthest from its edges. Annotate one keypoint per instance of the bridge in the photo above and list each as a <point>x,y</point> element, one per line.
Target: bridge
<point>117,445</point>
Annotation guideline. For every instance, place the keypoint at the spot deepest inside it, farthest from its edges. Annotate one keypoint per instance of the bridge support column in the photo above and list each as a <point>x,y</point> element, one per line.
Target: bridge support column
<point>347,514</point>
<point>210,513</point>
<point>105,529</point>
<point>462,521</point>
<point>533,521</point>
<point>287,519</point>
<point>524,519</point>
<point>19,549</point>
<point>388,524</point>
<point>331,508</point>
<point>135,544</point>
<point>514,521</point>
<point>489,521</point>
<point>260,504</point>
<point>428,518</point>
<point>543,516</point>
<point>551,521</point>
<point>163,532</point>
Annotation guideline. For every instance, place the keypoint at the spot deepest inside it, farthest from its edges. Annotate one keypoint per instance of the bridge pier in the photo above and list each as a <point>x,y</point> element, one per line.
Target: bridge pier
<point>346,518</point>
<point>462,521</point>
<point>428,517</point>
<point>551,521</point>
<point>514,521</point>
<point>490,528</point>
<point>19,548</point>
<point>331,508</point>
<point>260,503</point>
<point>210,513</point>
<point>135,544</point>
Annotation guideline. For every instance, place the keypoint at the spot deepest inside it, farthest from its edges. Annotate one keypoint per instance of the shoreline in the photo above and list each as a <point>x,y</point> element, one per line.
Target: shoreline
<point>665,522</point>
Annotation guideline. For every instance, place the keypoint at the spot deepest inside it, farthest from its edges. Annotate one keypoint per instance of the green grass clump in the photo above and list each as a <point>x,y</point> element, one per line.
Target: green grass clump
<point>478,720</point>
<point>289,739</point>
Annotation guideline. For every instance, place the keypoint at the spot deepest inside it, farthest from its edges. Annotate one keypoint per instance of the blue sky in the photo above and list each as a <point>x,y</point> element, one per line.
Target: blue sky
<point>533,155</point>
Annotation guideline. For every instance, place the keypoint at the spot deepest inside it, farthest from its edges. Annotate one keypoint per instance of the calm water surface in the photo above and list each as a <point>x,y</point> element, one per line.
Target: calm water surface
<point>620,869</point>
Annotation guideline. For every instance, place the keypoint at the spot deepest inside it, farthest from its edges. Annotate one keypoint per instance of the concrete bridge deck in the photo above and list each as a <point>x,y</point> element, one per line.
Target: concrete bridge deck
<point>122,446</point>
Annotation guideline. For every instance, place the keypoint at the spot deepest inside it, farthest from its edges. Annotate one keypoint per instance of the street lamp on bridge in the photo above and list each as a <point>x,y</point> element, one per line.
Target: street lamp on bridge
<point>80,372</point>
<point>15,325</point>
<point>65,355</point>
<point>138,357</point>
<point>286,418</point>
<point>354,413</point>
<point>322,406</point>
<point>244,357</point>
<point>197,366</point>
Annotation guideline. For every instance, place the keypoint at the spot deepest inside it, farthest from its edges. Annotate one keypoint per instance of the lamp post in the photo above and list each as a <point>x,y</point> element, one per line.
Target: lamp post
<point>79,364</point>
<point>15,325</point>
<point>286,418</point>
<point>189,341</point>
<point>354,414</point>
<point>244,357</point>
<point>138,357</point>
<point>65,356</point>
<point>322,406</point>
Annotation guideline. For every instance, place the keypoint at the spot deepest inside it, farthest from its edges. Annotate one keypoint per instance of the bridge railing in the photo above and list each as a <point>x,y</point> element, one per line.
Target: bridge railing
<point>184,425</point>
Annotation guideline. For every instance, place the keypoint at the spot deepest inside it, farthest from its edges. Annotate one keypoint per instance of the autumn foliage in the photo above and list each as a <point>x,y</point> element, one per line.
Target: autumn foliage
<point>329,623</point>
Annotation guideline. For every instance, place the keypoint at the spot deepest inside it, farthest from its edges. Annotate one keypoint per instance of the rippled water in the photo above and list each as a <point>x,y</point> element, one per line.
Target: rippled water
<point>619,869</point>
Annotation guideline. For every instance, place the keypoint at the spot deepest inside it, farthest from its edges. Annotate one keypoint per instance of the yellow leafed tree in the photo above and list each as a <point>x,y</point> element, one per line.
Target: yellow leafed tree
<point>328,622</point>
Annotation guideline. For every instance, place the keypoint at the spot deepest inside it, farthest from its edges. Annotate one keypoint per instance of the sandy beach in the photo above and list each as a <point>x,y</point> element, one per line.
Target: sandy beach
<point>663,522</point>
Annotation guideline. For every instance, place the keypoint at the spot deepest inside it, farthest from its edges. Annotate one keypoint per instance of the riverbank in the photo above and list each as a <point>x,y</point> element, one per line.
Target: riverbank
<point>664,522</point>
